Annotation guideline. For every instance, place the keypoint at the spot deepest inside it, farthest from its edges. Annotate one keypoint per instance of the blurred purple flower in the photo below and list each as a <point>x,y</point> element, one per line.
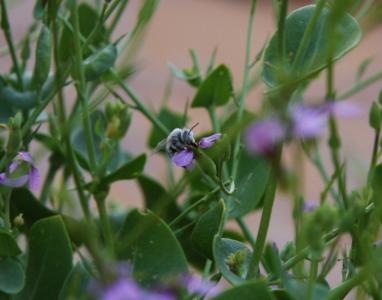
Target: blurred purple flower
<point>32,178</point>
<point>196,285</point>
<point>302,122</point>
<point>263,135</point>
<point>309,206</point>
<point>186,157</point>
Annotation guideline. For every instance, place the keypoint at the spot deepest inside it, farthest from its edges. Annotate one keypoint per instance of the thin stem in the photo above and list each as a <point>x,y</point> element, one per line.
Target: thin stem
<point>81,89</point>
<point>8,36</point>
<point>281,30</point>
<point>185,212</point>
<point>312,276</point>
<point>140,106</point>
<point>374,156</point>
<point>105,224</point>
<point>359,86</point>
<point>246,231</point>
<point>307,34</point>
<point>47,185</point>
<point>214,118</point>
<point>118,15</point>
<point>263,228</point>
<point>245,88</point>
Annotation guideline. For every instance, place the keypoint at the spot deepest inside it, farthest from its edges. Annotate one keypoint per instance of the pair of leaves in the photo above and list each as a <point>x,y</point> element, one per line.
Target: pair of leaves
<point>321,44</point>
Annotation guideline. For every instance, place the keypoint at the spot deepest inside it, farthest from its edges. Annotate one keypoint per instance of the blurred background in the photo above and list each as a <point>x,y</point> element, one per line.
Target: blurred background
<point>204,25</point>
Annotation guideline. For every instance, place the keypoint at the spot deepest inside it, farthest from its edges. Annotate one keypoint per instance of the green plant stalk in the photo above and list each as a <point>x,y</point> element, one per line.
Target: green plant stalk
<point>246,231</point>
<point>245,88</point>
<point>60,79</point>
<point>47,185</point>
<point>189,209</point>
<point>214,118</point>
<point>374,156</point>
<point>95,30</point>
<point>140,106</point>
<point>118,15</point>
<point>81,89</point>
<point>8,37</point>
<point>281,29</point>
<point>343,289</point>
<point>105,223</point>
<point>307,34</point>
<point>359,86</point>
<point>312,277</point>
<point>263,228</point>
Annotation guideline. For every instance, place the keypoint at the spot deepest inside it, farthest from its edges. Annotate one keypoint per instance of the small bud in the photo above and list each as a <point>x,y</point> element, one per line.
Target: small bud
<point>19,220</point>
<point>236,261</point>
<point>375,117</point>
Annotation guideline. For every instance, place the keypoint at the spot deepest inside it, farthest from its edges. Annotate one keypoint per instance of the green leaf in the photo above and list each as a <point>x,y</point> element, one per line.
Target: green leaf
<point>8,245</point>
<point>43,58</point>
<point>100,62</point>
<point>171,120</point>
<point>208,225</point>
<point>12,277</point>
<point>252,179</point>
<point>151,247</point>
<point>157,199</point>
<point>49,260</point>
<point>247,291</point>
<point>129,170</point>
<point>216,89</point>
<point>76,284</point>
<point>347,36</point>
<point>17,99</point>
<point>232,258</point>
<point>88,18</point>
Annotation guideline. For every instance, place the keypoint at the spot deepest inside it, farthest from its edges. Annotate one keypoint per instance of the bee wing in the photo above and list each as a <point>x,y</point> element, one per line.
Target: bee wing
<point>161,146</point>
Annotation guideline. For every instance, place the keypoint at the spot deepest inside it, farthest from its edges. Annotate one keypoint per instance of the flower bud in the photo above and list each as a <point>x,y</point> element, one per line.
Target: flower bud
<point>375,117</point>
<point>14,138</point>
<point>19,220</point>
<point>118,118</point>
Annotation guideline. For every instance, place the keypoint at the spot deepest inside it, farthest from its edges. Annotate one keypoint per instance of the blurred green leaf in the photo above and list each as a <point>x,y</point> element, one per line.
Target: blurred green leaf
<point>252,179</point>
<point>152,248</point>
<point>42,58</point>
<point>232,258</point>
<point>17,99</point>
<point>8,245</point>
<point>247,291</point>
<point>100,62</point>
<point>145,14</point>
<point>76,284</point>
<point>49,260</point>
<point>315,58</point>
<point>208,225</point>
<point>129,170</point>
<point>88,18</point>
<point>171,120</point>
<point>216,89</point>
<point>12,276</point>
<point>157,199</point>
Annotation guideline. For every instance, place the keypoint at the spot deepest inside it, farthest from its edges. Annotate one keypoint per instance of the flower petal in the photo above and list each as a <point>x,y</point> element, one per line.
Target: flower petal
<point>25,156</point>
<point>263,135</point>
<point>13,182</point>
<point>34,178</point>
<point>345,109</point>
<point>308,122</point>
<point>208,141</point>
<point>183,158</point>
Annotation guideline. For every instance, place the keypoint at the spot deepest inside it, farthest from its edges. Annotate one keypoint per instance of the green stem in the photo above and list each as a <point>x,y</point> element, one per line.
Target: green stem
<point>7,210</point>
<point>81,89</point>
<point>263,228</point>
<point>343,289</point>
<point>140,106</point>
<point>245,88</point>
<point>374,156</point>
<point>312,277</point>
<point>185,212</point>
<point>8,36</point>
<point>118,15</point>
<point>214,118</point>
<point>105,223</point>
<point>359,86</point>
<point>281,30</point>
<point>47,185</point>
<point>307,34</point>
<point>246,231</point>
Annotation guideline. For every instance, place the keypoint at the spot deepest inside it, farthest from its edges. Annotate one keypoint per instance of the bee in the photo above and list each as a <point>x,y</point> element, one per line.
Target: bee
<point>178,140</point>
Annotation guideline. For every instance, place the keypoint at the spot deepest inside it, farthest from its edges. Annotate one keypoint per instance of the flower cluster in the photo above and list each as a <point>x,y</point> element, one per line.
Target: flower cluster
<point>301,122</point>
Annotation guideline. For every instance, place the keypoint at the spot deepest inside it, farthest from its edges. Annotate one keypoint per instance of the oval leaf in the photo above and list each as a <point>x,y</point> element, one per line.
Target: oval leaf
<point>207,227</point>
<point>100,62</point>
<point>49,260</point>
<point>129,170</point>
<point>8,245</point>
<point>315,58</point>
<point>43,58</point>
<point>247,291</point>
<point>151,247</point>
<point>216,89</point>
<point>12,277</point>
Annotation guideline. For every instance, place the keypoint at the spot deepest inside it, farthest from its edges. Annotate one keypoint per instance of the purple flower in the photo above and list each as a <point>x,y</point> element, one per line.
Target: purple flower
<point>186,158</point>
<point>196,285</point>
<point>262,136</point>
<point>32,178</point>
<point>301,122</point>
